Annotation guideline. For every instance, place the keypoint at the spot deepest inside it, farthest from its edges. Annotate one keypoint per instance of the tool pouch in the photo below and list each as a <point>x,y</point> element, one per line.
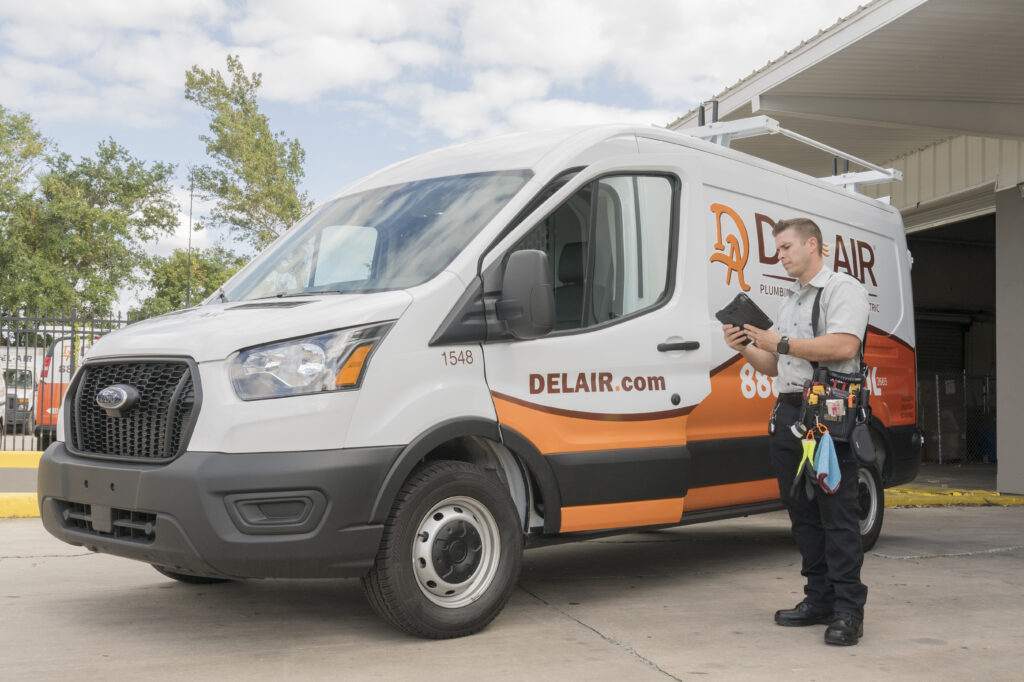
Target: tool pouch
<point>862,445</point>
<point>839,401</point>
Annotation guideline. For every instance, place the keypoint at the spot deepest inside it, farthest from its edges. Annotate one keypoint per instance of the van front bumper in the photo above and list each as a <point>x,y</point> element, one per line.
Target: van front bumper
<point>252,515</point>
<point>14,417</point>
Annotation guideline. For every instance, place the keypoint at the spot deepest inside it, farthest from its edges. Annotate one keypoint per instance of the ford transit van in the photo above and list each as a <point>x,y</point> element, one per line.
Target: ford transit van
<point>480,349</point>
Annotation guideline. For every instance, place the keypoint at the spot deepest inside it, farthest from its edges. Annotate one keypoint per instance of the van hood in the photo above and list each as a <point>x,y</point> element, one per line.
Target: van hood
<point>215,331</point>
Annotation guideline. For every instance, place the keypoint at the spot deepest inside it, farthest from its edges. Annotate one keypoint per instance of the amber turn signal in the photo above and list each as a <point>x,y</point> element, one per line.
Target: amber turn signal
<point>349,373</point>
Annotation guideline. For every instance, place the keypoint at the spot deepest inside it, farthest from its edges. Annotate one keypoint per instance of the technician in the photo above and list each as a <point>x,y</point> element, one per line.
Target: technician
<point>826,528</point>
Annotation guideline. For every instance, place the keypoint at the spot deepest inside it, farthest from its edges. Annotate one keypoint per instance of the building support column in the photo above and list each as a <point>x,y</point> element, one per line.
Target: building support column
<point>1010,340</point>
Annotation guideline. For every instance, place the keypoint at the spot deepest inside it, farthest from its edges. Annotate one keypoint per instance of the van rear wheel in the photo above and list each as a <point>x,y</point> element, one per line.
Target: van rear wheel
<point>450,554</point>
<point>870,504</point>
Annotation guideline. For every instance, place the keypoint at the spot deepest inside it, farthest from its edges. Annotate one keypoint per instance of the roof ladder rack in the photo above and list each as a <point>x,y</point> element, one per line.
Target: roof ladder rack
<point>725,132</point>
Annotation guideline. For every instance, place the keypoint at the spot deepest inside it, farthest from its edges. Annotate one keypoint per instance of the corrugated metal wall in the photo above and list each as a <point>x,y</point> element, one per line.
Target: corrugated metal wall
<point>953,180</point>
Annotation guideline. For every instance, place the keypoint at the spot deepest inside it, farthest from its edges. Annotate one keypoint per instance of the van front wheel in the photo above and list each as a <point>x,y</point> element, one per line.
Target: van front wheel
<point>450,554</point>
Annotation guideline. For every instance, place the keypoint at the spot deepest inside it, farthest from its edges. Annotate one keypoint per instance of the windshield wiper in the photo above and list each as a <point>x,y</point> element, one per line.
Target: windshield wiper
<point>290,294</point>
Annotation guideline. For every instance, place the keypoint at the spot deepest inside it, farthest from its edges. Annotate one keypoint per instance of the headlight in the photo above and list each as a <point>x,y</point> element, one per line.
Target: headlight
<point>334,361</point>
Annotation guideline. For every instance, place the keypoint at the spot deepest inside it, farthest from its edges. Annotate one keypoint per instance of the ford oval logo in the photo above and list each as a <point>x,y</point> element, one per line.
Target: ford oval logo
<point>112,398</point>
<point>117,399</point>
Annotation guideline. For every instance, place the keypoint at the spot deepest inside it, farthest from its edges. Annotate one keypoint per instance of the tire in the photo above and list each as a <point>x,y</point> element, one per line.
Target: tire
<point>440,501</point>
<point>45,440</point>
<point>190,579</point>
<point>871,505</point>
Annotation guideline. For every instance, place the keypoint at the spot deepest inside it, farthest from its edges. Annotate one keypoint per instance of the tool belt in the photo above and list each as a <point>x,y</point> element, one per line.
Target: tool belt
<point>837,401</point>
<point>792,399</point>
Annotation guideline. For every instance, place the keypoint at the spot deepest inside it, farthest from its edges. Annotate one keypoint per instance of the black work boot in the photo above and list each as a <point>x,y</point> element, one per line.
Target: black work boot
<point>844,630</point>
<point>802,614</point>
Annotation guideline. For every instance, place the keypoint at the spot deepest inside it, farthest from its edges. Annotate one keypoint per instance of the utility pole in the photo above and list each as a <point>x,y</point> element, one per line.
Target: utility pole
<point>188,275</point>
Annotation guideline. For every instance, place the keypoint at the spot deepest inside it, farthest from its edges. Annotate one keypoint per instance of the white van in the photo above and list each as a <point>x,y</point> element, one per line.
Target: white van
<point>17,386</point>
<point>498,344</point>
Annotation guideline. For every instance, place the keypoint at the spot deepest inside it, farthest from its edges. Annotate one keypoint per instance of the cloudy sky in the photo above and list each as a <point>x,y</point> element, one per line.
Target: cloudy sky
<point>363,84</point>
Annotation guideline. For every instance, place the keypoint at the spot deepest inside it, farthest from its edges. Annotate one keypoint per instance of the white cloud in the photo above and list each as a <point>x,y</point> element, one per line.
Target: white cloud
<point>118,61</point>
<point>267,21</point>
<point>550,113</point>
<point>478,110</point>
<point>461,67</point>
<point>675,51</point>
<point>303,70</point>
<point>112,14</point>
<point>568,40</point>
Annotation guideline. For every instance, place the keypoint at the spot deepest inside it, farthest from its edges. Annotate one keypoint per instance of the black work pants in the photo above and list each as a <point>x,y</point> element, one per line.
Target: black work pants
<point>827,527</point>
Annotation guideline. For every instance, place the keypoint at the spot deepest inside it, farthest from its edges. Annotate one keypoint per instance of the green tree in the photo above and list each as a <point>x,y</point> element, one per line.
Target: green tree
<point>255,173</point>
<point>21,149</point>
<point>78,234</point>
<point>169,280</point>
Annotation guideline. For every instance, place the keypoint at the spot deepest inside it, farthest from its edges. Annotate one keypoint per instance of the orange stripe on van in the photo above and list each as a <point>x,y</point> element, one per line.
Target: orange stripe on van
<point>729,494</point>
<point>621,515</point>
<point>552,430</point>
<point>726,413</point>
<point>895,376</point>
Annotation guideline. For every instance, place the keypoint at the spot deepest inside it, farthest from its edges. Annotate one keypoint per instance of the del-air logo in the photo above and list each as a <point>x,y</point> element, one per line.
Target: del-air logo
<point>732,249</point>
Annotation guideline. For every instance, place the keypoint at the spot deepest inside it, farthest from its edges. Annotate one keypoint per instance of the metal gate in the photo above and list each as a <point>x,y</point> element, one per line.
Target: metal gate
<point>38,355</point>
<point>957,412</point>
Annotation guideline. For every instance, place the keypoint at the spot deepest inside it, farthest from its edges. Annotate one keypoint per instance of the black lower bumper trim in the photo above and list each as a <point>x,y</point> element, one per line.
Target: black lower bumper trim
<point>222,515</point>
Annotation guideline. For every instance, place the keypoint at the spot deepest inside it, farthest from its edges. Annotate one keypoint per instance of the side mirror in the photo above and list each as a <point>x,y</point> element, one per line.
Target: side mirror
<point>527,303</point>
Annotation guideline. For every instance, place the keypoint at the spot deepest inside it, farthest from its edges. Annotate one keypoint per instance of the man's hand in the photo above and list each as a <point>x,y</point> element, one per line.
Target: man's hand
<point>763,361</point>
<point>734,337</point>
<point>765,339</point>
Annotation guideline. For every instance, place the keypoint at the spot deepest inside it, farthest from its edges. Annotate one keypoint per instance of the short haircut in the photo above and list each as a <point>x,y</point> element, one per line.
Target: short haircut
<point>804,227</point>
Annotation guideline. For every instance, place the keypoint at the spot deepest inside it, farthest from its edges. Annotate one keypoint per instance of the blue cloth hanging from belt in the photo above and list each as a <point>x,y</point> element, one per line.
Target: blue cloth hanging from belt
<point>826,465</point>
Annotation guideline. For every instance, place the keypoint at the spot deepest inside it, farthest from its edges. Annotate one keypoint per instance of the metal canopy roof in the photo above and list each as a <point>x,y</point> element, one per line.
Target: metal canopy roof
<point>893,77</point>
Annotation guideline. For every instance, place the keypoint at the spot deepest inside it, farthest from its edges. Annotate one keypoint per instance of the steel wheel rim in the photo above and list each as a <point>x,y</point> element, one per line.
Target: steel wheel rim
<point>451,526</point>
<point>867,496</point>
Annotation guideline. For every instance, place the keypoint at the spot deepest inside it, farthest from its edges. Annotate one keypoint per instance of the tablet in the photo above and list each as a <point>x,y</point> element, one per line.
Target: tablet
<point>742,310</point>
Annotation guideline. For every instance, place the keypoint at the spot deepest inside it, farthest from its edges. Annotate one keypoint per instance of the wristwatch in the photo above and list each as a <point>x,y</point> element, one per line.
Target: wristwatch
<point>783,346</point>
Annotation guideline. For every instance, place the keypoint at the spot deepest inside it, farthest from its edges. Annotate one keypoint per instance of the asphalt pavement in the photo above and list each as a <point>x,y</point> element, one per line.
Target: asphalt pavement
<point>693,603</point>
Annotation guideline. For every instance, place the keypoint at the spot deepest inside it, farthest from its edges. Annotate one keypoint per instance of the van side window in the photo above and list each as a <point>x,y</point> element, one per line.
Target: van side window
<point>609,256</point>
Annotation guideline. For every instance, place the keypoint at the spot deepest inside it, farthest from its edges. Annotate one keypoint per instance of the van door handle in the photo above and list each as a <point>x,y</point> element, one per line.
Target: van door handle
<point>679,345</point>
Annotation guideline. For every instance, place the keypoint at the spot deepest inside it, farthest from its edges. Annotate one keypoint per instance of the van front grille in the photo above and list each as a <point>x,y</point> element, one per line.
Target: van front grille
<point>156,427</point>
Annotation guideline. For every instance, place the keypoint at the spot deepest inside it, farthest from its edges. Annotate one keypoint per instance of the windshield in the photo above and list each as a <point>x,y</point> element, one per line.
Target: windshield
<point>386,238</point>
<point>19,378</point>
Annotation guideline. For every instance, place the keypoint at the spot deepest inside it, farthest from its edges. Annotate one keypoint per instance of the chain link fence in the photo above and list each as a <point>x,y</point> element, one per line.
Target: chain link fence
<point>38,354</point>
<point>957,412</point>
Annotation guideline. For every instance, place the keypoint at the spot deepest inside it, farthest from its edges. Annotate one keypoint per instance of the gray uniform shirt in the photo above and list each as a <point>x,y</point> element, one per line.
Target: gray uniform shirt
<point>843,309</point>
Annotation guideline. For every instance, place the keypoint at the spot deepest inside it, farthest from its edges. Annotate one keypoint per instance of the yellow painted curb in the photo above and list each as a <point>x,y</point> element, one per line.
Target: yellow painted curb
<point>919,496</point>
<point>20,459</point>
<point>18,505</point>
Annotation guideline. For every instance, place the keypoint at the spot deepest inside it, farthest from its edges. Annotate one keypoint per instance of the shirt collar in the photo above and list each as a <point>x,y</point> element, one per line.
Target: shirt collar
<point>818,281</point>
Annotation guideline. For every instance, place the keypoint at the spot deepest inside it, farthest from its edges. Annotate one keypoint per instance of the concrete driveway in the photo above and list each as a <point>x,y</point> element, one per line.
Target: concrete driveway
<point>946,598</point>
